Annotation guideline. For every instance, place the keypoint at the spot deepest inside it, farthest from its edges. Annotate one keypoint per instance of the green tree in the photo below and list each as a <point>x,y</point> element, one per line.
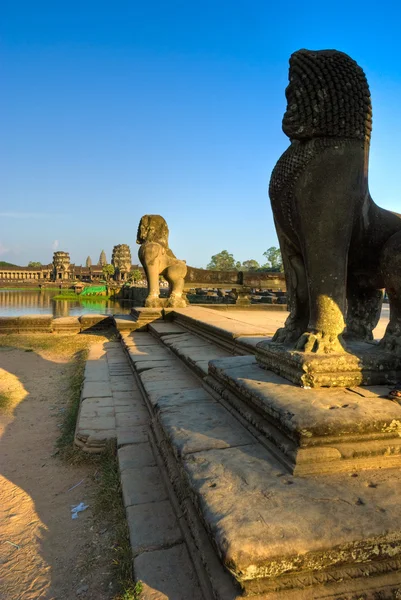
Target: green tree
<point>274,259</point>
<point>108,271</point>
<point>135,275</point>
<point>34,264</point>
<point>223,261</point>
<point>250,265</point>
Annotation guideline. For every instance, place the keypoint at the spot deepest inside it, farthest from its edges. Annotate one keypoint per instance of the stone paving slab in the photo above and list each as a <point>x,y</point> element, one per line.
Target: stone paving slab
<point>164,328</point>
<point>201,426</point>
<point>176,373</point>
<point>126,420</point>
<point>268,524</point>
<point>167,575</point>
<point>144,365</point>
<point>96,372</point>
<point>140,339</point>
<point>152,526</point>
<point>134,435</point>
<point>142,485</point>
<point>191,396</point>
<point>136,456</point>
<point>94,389</point>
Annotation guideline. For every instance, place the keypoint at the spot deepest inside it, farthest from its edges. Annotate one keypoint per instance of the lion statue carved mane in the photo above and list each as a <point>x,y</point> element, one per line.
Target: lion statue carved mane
<point>157,259</point>
<point>340,250</point>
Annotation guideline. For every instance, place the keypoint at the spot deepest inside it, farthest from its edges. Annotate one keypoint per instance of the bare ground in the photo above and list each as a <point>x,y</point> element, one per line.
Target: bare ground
<point>44,553</point>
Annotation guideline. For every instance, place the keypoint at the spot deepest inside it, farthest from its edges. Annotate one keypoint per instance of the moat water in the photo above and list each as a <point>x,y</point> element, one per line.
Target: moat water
<point>14,303</point>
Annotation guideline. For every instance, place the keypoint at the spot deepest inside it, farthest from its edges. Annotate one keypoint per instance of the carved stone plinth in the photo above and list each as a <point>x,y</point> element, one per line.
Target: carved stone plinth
<point>312,431</point>
<point>364,363</point>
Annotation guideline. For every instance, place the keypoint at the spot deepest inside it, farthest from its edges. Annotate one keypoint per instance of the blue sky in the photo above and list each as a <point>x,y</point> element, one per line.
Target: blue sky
<point>114,110</point>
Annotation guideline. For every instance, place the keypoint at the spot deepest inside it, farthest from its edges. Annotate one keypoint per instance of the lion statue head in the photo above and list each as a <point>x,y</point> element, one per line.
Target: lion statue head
<point>327,96</point>
<point>152,228</point>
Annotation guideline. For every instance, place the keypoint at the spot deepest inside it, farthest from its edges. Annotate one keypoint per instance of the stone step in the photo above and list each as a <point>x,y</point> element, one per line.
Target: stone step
<point>113,407</point>
<point>226,332</point>
<point>193,350</point>
<point>280,537</point>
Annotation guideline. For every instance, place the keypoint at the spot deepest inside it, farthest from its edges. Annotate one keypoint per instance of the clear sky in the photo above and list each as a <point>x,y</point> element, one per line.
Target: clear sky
<point>111,110</point>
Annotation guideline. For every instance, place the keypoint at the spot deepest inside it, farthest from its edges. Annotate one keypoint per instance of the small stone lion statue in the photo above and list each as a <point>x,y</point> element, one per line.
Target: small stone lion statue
<point>340,250</point>
<point>157,259</point>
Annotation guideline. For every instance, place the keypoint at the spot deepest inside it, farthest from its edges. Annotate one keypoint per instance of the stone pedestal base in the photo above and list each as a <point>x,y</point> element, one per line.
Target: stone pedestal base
<point>363,364</point>
<point>312,431</point>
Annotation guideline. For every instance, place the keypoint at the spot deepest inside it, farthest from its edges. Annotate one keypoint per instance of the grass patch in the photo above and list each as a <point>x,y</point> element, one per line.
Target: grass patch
<point>86,297</point>
<point>5,402</point>
<point>65,441</point>
<point>109,505</point>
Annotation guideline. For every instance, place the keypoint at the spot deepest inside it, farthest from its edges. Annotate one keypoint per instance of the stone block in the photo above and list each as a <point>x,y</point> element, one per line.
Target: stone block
<point>167,575</point>
<point>152,526</point>
<point>94,389</point>
<point>95,371</point>
<point>123,384</point>
<point>35,323</point>
<point>201,426</point>
<point>142,485</point>
<point>66,325</point>
<point>97,423</point>
<point>191,396</point>
<point>126,420</point>
<point>135,456</point>
<point>95,321</point>
<point>145,365</point>
<point>134,435</point>
<point>312,430</point>
<point>274,531</point>
<point>163,328</point>
<point>363,364</point>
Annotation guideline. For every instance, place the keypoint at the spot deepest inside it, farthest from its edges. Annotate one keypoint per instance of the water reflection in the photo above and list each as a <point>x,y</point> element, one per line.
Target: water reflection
<point>14,303</point>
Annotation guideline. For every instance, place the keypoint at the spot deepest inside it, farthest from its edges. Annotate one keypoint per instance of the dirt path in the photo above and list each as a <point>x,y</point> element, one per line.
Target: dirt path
<point>44,553</point>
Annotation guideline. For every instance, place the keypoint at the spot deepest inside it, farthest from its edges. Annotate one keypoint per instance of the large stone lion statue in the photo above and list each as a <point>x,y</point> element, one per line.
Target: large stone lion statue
<point>340,249</point>
<point>157,259</point>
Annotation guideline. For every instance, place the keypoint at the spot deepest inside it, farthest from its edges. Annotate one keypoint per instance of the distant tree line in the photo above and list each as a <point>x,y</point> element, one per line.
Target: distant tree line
<point>224,261</point>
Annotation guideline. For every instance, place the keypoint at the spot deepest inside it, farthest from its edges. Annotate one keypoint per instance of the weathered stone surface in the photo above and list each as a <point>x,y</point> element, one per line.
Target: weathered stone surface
<point>145,365</point>
<point>93,389</point>
<point>167,574</point>
<point>97,422</point>
<point>201,426</point>
<point>166,328</point>
<point>314,430</point>
<point>142,485</point>
<point>96,372</point>
<point>268,525</point>
<point>95,321</point>
<point>166,374</point>
<point>66,325</point>
<point>125,322</point>
<point>139,338</point>
<point>127,398</point>
<point>134,435</point>
<point>137,356</point>
<point>123,384</point>
<point>363,364</point>
<point>191,396</point>
<point>152,526</point>
<point>135,456</point>
<point>125,420</point>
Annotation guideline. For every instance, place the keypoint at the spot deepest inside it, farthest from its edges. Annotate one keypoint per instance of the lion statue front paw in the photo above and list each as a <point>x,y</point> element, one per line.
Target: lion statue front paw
<point>319,343</point>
